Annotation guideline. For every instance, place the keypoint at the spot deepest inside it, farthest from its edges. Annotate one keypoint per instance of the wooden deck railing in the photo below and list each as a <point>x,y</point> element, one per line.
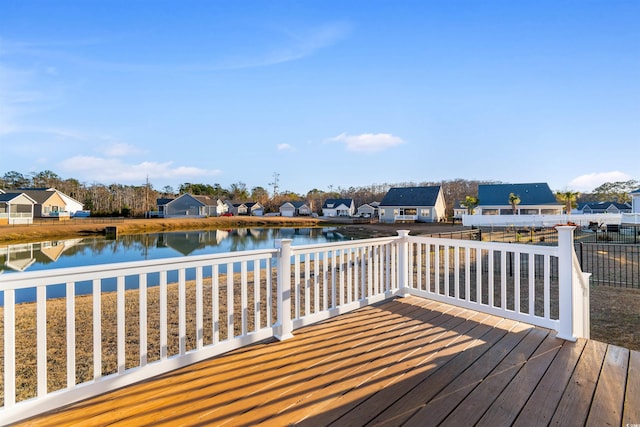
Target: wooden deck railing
<point>121,323</point>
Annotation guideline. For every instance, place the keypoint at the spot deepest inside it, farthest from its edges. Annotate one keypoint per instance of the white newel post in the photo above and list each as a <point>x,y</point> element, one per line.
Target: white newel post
<point>403,263</point>
<point>283,326</point>
<point>565,282</point>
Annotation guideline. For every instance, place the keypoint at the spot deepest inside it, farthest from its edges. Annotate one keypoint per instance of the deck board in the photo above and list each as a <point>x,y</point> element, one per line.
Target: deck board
<point>407,361</point>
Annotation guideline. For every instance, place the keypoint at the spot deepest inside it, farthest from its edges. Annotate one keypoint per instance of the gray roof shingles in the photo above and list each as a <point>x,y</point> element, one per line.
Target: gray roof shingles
<point>411,196</point>
<point>530,194</point>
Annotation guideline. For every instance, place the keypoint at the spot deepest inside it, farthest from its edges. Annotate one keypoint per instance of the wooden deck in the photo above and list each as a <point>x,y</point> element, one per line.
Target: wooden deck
<point>405,362</point>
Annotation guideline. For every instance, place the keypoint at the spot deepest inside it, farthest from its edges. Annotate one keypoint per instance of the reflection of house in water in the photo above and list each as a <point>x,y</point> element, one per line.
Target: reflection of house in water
<point>53,250</point>
<point>17,257</point>
<point>21,257</point>
<point>190,241</point>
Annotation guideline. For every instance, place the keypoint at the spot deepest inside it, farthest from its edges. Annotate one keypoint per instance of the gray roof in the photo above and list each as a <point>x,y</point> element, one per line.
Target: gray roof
<point>530,194</point>
<point>206,200</point>
<point>163,201</point>
<point>336,202</point>
<point>603,205</point>
<point>8,196</point>
<point>40,195</point>
<point>411,196</point>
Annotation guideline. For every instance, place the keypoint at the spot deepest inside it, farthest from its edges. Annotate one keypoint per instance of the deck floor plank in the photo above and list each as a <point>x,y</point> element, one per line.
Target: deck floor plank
<point>505,354</point>
<point>353,393</point>
<point>363,363</point>
<point>504,410</point>
<point>472,407</point>
<point>269,379</point>
<point>317,379</point>
<point>413,399</point>
<point>542,404</point>
<point>574,405</point>
<point>608,400</point>
<point>413,371</point>
<point>408,360</point>
<point>631,414</point>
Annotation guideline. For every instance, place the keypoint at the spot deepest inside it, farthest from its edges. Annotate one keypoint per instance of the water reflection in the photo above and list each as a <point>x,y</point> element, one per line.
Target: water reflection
<point>91,251</point>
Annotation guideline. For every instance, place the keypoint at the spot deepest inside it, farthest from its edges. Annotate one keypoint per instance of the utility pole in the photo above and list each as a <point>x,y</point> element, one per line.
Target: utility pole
<point>146,198</point>
<point>276,177</point>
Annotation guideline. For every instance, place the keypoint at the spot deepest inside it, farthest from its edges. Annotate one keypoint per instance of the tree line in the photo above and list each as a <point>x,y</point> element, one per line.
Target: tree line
<point>136,200</point>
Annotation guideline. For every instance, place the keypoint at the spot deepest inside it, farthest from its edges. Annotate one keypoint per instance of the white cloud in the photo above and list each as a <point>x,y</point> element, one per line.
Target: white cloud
<point>120,149</point>
<point>109,170</point>
<point>368,142</point>
<point>592,180</point>
<point>285,147</point>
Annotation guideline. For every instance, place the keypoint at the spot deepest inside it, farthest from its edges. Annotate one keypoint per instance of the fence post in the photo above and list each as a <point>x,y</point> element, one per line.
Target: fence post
<point>283,327</point>
<point>565,282</point>
<point>403,263</point>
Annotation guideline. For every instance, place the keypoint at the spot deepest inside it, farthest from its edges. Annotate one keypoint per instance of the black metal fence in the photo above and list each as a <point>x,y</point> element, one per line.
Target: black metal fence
<point>612,255</point>
<point>610,264</point>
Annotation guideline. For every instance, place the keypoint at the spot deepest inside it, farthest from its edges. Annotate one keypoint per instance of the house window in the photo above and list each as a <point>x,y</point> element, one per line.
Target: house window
<point>425,212</point>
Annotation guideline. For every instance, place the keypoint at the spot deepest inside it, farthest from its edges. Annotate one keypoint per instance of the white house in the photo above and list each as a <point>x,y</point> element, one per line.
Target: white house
<point>291,209</point>
<point>255,208</point>
<point>419,204</point>
<point>635,201</point>
<point>535,199</point>
<point>16,208</point>
<point>338,207</point>
<point>603,207</point>
<point>459,209</point>
<point>368,210</point>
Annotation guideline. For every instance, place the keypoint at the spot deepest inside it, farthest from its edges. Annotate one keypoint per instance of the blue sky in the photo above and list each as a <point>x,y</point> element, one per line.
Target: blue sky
<point>327,94</point>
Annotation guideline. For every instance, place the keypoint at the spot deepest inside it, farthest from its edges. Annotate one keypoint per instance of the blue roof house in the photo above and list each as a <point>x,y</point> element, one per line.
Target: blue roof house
<point>535,199</point>
<point>338,207</point>
<point>417,204</point>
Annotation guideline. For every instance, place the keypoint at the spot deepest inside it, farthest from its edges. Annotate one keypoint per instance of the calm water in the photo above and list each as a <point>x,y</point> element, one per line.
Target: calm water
<point>92,251</point>
<point>98,250</point>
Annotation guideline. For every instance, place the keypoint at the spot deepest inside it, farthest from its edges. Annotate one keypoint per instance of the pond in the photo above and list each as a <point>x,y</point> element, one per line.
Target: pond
<point>137,247</point>
<point>100,250</point>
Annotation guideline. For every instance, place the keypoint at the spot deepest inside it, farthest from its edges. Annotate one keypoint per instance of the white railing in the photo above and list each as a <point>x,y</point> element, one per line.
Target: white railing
<point>405,218</point>
<point>581,220</point>
<point>113,325</point>
<point>631,219</point>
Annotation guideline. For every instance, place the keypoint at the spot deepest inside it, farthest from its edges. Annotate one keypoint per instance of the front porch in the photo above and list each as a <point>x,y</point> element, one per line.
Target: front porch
<point>407,361</point>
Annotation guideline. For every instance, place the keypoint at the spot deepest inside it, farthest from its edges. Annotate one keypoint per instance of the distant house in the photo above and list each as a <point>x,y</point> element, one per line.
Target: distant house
<point>49,202</point>
<point>255,208</point>
<point>244,208</point>
<point>188,205</point>
<point>603,207</point>
<point>419,204</point>
<point>535,199</point>
<point>236,208</point>
<point>291,209</point>
<point>635,201</point>
<point>71,205</point>
<point>338,207</point>
<point>16,208</point>
<point>368,210</point>
<point>459,209</point>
